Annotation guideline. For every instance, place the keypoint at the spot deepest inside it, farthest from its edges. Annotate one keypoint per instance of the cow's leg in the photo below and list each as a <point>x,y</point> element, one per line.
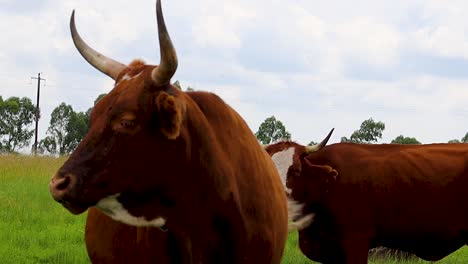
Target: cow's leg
<point>356,248</point>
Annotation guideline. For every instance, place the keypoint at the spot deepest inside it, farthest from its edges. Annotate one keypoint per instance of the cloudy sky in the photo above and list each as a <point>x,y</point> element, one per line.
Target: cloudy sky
<point>313,64</point>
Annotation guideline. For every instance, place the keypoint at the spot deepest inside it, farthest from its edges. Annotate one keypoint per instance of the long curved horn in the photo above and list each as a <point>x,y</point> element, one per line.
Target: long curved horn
<point>163,73</point>
<point>104,64</point>
<point>319,146</point>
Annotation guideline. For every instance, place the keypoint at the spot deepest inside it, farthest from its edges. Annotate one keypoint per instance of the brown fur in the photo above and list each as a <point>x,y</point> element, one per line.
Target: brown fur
<point>407,197</point>
<point>189,158</point>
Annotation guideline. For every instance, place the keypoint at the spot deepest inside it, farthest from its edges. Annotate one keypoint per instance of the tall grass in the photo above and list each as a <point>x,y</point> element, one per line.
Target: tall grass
<point>35,229</point>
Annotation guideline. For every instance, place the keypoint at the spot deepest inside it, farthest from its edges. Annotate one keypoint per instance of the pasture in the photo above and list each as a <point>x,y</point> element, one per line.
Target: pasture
<point>35,229</point>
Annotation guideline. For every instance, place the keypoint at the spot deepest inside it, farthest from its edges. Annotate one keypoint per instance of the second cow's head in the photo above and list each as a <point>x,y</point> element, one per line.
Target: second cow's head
<point>303,180</point>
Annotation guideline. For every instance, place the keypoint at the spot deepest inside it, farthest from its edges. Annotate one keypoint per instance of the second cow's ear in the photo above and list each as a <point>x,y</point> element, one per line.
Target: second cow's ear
<point>169,114</point>
<point>323,173</point>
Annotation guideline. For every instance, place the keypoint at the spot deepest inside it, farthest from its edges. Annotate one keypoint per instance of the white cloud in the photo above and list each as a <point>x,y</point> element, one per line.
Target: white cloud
<point>370,41</point>
<point>445,41</point>
<point>312,64</point>
<point>219,26</point>
<point>444,31</point>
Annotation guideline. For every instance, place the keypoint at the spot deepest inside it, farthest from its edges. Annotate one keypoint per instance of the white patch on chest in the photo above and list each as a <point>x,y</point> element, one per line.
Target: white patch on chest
<point>283,160</point>
<point>113,208</point>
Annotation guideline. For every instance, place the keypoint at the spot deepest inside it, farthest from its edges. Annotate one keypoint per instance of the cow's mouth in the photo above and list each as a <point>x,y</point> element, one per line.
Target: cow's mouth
<point>63,191</point>
<point>75,208</point>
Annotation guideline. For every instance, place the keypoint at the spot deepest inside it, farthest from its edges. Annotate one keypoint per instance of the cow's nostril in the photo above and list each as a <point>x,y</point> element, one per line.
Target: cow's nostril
<point>60,185</point>
<point>63,183</point>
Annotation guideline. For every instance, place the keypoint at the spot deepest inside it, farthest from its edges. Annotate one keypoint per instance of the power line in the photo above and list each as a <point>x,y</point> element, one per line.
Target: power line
<point>37,109</point>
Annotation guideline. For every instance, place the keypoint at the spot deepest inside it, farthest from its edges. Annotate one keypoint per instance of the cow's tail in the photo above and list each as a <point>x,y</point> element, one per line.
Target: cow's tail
<point>297,220</point>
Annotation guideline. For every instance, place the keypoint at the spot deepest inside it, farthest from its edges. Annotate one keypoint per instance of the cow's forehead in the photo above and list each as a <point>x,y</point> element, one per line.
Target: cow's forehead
<point>128,87</point>
<point>281,146</point>
<point>135,71</point>
<point>133,78</point>
<point>284,155</point>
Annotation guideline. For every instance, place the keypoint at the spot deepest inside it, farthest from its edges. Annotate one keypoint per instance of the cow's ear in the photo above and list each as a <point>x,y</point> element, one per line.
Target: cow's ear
<point>325,173</point>
<point>169,114</point>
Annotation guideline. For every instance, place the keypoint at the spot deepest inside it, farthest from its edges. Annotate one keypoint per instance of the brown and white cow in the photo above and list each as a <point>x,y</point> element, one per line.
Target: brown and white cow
<point>158,157</point>
<point>359,196</point>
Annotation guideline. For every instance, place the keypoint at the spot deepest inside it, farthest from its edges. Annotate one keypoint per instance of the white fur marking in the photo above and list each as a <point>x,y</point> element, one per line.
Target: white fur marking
<point>127,77</point>
<point>113,208</point>
<point>283,160</point>
<point>297,220</point>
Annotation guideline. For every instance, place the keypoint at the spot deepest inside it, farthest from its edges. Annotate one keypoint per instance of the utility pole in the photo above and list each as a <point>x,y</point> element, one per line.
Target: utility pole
<point>37,109</point>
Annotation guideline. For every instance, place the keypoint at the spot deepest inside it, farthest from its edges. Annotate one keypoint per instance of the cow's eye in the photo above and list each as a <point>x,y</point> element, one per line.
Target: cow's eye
<point>127,124</point>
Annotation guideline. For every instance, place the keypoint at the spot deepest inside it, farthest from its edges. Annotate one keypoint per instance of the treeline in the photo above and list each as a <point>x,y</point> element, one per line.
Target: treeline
<point>370,131</point>
<point>67,128</point>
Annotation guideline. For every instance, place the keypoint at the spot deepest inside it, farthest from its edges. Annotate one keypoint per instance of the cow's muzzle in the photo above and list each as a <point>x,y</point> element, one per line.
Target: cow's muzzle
<point>61,188</point>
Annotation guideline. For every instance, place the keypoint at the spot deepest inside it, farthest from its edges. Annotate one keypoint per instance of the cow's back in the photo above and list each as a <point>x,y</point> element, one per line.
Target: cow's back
<point>411,197</point>
<point>432,178</point>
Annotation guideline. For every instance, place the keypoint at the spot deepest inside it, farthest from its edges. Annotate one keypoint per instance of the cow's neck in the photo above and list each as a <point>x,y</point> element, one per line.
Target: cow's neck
<point>206,205</point>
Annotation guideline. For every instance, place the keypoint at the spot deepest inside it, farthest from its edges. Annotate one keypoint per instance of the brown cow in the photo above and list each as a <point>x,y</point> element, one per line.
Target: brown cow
<point>406,197</point>
<point>155,156</point>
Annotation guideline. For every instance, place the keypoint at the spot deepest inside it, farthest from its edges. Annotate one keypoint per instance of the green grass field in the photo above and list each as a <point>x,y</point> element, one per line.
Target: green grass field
<point>35,229</point>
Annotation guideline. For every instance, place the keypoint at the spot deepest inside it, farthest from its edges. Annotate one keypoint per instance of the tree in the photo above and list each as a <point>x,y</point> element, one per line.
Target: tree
<point>47,144</point>
<point>405,140</point>
<point>16,117</point>
<point>312,143</point>
<point>1,121</point>
<point>99,98</point>
<point>465,138</point>
<point>272,130</point>
<point>177,85</point>
<point>369,132</point>
<point>55,142</point>
<point>76,130</point>
<point>65,131</point>
<point>87,116</point>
